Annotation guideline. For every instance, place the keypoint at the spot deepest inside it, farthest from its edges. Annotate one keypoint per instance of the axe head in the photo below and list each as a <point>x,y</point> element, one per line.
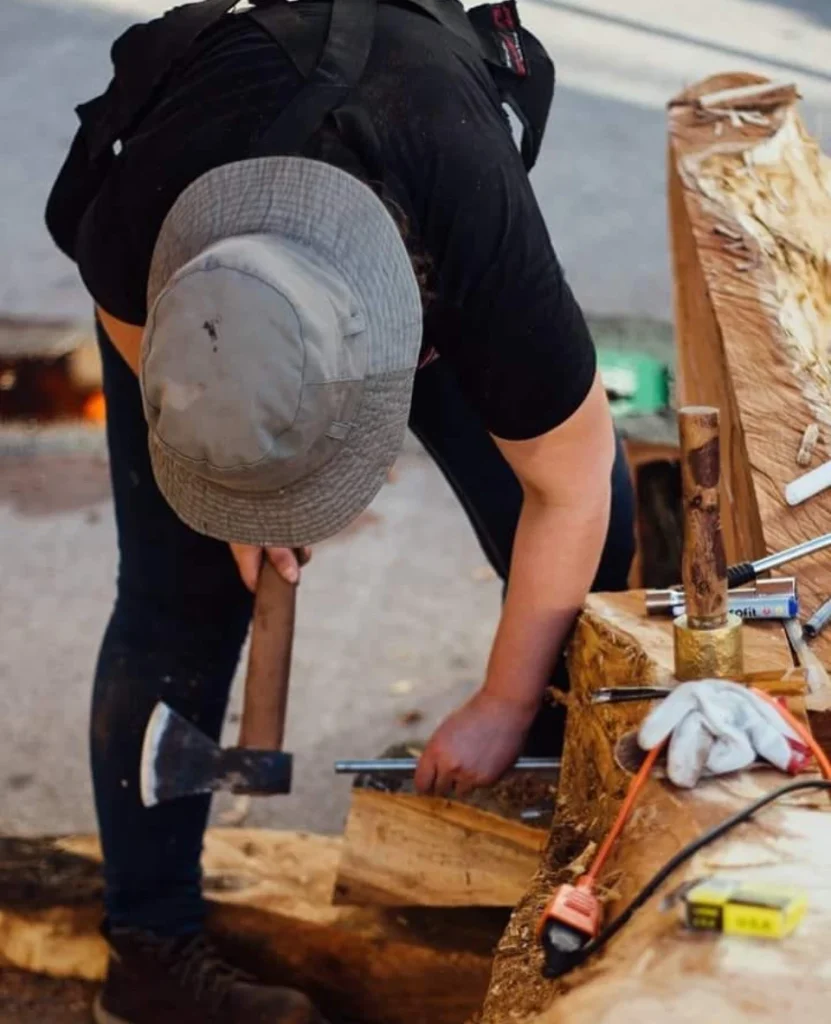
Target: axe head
<point>177,760</point>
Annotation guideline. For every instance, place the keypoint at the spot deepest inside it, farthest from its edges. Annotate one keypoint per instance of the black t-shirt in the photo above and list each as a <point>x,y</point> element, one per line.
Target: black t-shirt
<point>425,128</point>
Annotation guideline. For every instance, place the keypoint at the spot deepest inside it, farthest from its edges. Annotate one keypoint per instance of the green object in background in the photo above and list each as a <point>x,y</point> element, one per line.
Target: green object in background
<point>637,384</point>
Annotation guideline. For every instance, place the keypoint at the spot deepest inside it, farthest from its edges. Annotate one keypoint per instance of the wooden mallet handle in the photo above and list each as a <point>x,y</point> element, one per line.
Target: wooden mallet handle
<point>704,566</point>
<point>269,662</point>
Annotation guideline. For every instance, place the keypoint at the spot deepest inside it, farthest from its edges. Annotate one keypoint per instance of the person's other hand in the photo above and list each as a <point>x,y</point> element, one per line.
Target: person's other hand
<point>287,561</point>
<point>474,746</point>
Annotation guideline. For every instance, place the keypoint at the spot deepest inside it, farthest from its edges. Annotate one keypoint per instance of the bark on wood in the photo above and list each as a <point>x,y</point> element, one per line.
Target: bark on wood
<point>654,970</point>
<point>750,213</point>
<point>405,850</point>
<point>704,567</point>
<point>271,910</point>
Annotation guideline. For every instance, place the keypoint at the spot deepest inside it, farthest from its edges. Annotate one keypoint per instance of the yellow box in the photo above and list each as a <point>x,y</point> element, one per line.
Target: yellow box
<point>735,908</point>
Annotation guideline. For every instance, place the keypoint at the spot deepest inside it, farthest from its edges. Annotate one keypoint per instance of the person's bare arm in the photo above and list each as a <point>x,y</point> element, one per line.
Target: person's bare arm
<point>566,482</point>
<point>125,337</point>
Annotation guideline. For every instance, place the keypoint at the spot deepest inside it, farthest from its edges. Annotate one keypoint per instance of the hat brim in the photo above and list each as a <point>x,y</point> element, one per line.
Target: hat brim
<point>344,222</point>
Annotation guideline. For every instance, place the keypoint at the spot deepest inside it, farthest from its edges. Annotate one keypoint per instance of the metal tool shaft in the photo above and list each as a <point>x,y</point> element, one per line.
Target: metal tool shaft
<point>407,765</point>
<point>809,547</point>
<point>818,621</point>
<point>628,694</point>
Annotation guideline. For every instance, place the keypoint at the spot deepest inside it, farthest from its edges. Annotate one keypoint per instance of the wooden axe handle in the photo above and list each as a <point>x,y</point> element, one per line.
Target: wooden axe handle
<point>269,662</point>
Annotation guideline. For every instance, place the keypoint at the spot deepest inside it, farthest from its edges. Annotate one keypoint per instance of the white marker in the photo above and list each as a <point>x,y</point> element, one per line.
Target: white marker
<point>806,486</point>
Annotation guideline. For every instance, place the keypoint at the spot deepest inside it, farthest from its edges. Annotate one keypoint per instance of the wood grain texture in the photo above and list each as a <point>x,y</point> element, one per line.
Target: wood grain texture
<point>750,212</point>
<point>703,379</point>
<point>703,565</point>
<point>405,850</point>
<point>654,970</point>
<point>271,912</point>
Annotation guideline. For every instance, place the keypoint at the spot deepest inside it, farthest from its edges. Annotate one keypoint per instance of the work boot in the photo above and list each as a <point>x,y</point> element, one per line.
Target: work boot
<point>154,980</point>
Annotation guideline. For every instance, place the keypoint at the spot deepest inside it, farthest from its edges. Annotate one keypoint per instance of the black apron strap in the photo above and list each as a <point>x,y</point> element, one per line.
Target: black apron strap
<point>341,65</point>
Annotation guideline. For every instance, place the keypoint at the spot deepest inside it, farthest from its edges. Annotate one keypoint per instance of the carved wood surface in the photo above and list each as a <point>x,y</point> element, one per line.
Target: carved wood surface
<point>750,213</point>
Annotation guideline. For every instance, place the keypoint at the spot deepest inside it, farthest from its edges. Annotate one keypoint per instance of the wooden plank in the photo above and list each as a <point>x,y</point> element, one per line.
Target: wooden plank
<point>405,850</point>
<point>750,212</point>
<point>270,900</point>
<point>654,970</point>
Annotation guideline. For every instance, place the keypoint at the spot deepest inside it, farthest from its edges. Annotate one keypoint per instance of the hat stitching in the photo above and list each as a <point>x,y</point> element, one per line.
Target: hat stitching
<point>263,495</point>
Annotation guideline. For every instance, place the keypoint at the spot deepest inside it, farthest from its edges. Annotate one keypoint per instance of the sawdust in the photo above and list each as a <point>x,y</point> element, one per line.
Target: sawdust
<point>34,999</point>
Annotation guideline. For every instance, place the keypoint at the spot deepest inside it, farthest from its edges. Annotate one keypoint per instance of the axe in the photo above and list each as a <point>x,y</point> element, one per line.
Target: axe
<point>180,760</point>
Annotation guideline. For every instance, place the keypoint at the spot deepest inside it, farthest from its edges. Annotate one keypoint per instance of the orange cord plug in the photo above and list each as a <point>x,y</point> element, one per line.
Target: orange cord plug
<point>572,915</point>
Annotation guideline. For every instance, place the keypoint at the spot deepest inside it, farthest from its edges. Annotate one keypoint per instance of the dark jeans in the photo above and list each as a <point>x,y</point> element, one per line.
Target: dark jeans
<point>181,616</point>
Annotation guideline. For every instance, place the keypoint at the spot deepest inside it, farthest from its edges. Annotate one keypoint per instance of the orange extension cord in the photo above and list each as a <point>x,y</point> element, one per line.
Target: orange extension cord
<point>802,731</point>
<point>635,786</point>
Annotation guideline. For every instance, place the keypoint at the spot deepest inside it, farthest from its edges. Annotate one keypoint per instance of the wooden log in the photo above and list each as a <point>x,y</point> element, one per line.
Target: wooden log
<point>654,970</point>
<point>750,216</point>
<point>271,911</point>
<point>403,850</point>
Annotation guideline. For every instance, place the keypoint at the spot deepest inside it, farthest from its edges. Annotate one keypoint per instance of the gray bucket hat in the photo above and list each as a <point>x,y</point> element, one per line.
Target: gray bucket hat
<point>278,358</point>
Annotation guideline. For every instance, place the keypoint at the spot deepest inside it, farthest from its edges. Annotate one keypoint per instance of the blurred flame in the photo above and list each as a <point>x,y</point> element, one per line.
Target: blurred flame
<point>95,408</point>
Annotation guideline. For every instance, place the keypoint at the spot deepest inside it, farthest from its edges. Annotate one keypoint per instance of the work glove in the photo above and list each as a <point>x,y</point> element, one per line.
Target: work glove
<point>716,727</point>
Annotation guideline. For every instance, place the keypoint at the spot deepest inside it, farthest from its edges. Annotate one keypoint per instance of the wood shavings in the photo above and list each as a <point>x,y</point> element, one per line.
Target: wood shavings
<point>580,864</point>
<point>737,118</point>
<point>760,95</point>
<point>727,232</point>
<point>808,444</point>
<point>776,192</point>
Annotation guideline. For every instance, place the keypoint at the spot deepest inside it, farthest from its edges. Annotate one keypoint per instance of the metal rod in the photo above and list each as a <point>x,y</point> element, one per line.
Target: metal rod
<point>625,694</point>
<point>809,547</point>
<point>407,765</point>
<point>818,621</point>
